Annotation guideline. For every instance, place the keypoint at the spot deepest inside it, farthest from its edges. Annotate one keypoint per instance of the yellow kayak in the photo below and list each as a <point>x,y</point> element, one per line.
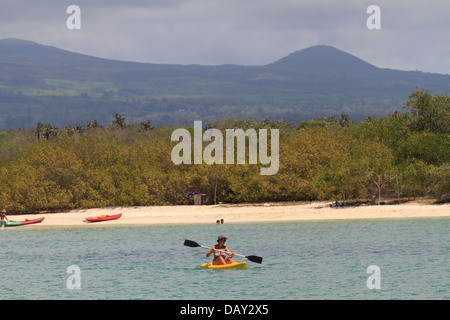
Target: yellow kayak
<point>235,265</point>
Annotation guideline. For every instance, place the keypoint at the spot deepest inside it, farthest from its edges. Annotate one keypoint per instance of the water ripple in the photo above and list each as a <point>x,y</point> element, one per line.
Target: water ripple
<point>308,260</point>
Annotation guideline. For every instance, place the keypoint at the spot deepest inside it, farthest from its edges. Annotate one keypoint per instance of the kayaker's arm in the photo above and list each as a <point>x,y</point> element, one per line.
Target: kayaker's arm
<point>230,254</point>
<point>211,251</point>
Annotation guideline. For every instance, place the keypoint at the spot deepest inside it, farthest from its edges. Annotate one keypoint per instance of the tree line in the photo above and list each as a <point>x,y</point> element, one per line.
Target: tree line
<point>405,154</point>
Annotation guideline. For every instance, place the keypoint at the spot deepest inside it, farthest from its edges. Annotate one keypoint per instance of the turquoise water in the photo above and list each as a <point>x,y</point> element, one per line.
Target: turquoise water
<point>302,260</point>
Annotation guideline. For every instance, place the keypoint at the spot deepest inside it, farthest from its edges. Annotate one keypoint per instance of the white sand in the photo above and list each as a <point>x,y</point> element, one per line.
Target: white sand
<point>268,212</point>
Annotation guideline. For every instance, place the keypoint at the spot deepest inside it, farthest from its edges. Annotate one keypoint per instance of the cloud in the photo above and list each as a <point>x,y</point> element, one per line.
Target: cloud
<point>249,32</point>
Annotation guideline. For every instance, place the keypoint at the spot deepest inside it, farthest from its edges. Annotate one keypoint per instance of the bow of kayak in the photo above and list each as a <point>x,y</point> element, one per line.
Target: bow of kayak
<point>235,265</point>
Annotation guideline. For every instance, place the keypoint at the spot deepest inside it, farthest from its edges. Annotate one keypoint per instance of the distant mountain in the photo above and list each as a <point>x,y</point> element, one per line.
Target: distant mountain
<point>51,85</point>
<point>323,58</point>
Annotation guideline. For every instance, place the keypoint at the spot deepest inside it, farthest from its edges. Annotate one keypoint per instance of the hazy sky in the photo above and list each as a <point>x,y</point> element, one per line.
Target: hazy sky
<point>414,35</point>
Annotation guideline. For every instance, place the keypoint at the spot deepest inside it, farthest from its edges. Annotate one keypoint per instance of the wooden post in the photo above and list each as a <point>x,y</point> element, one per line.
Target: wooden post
<point>215,192</point>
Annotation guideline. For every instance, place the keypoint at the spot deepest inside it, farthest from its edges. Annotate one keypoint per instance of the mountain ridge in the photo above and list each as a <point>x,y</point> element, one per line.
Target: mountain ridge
<point>48,84</point>
<point>317,52</point>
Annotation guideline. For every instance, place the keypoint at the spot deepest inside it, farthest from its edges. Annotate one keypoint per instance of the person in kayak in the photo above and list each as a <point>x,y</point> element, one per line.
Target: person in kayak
<point>220,257</point>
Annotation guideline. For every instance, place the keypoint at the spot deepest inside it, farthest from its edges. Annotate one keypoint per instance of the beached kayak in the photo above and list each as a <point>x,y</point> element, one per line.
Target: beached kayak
<point>21,223</point>
<point>104,218</point>
<point>235,265</point>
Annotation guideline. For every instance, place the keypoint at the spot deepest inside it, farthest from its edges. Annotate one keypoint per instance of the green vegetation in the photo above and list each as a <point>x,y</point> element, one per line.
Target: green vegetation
<point>401,155</point>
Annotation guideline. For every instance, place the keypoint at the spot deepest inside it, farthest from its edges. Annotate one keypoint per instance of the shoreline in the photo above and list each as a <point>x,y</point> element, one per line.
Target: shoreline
<point>239,213</point>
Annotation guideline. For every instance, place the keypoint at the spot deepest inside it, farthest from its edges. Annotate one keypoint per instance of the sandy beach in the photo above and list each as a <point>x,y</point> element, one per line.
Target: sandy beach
<point>268,212</point>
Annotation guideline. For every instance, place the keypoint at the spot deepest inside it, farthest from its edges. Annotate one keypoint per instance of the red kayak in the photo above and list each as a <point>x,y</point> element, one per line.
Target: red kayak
<point>21,223</point>
<point>104,218</point>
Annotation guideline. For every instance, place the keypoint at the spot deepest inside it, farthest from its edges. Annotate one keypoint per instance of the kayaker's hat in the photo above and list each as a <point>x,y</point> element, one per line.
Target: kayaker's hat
<point>222,237</point>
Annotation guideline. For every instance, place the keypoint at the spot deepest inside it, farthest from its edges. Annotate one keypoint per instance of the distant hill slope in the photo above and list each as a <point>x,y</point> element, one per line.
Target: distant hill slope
<point>323,58</point>
<point>47,84</point>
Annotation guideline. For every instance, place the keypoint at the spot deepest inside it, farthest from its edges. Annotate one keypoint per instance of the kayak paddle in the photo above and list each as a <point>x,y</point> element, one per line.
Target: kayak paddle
<point>193,244</point>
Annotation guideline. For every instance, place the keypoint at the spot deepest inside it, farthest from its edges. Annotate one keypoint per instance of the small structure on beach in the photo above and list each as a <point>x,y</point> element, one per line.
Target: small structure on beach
<point>197,197</point>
